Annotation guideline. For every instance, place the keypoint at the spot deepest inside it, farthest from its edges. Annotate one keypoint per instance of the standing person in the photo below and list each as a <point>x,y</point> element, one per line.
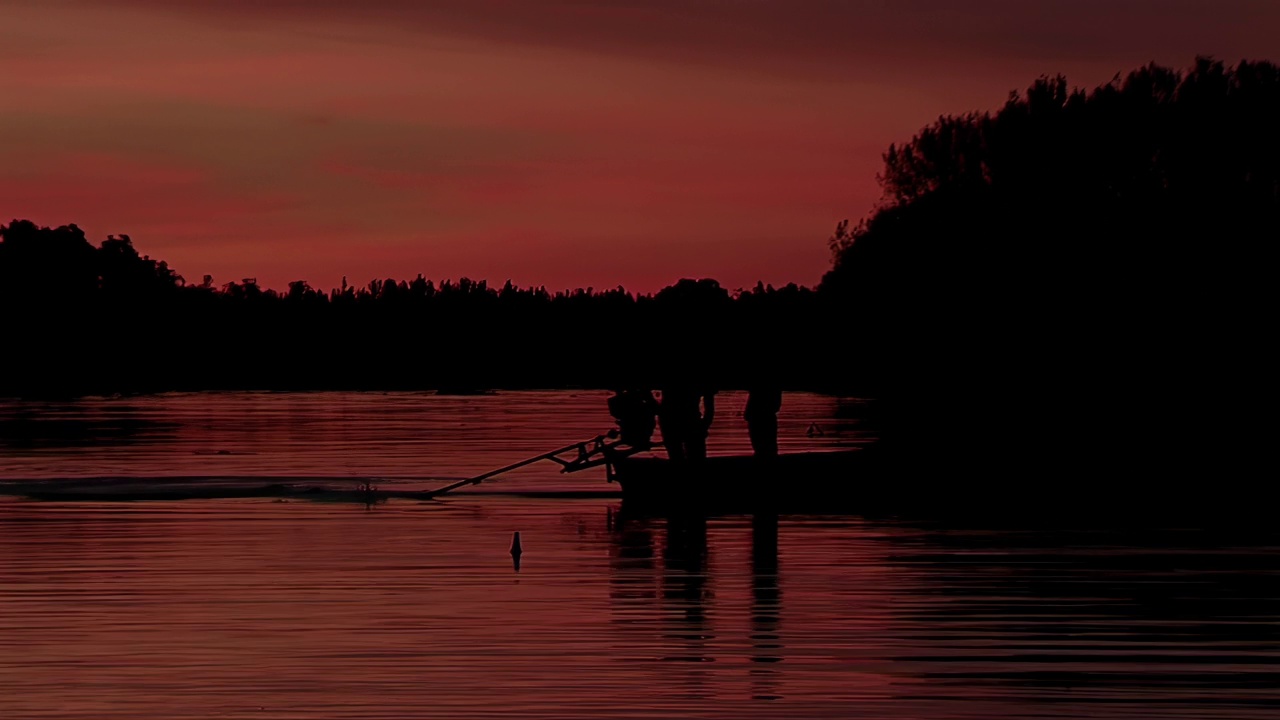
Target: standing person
<point>764,400</point>
<point>695,443</point>
<point>674,418</point>
<point>685,415</point>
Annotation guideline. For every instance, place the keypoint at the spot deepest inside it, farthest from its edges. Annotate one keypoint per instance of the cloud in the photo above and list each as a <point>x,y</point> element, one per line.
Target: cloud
<point>823,37</point>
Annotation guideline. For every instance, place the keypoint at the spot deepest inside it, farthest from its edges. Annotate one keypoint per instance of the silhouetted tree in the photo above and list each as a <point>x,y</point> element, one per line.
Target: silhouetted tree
<point>1079,283</point>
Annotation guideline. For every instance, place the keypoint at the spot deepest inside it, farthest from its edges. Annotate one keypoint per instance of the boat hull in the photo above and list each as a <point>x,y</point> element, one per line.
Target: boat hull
<point>796,481</point>
<point>869,482</point>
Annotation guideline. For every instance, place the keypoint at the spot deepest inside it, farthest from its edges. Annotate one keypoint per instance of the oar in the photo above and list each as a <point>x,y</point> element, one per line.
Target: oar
<point>507,468</point>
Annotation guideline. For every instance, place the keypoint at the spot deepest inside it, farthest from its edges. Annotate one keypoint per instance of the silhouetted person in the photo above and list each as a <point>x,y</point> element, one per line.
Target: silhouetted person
<point>696,442</point>
<point>636,412</point>
<point>763,402</point>
<point>685,413</point>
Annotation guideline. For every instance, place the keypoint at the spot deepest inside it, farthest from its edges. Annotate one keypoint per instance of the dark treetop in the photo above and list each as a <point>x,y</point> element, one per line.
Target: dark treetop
<point>1081,281</point>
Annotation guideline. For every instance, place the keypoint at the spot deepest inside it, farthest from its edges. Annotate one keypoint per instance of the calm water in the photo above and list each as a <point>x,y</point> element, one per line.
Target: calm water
<point>265,608</point>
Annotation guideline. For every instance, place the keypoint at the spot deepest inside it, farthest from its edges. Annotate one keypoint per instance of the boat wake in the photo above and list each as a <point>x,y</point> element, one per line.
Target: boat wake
<point>317,489</point>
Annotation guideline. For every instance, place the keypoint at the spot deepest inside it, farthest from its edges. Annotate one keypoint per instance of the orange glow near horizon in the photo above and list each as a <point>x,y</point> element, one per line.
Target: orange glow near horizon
<point>550,143</point>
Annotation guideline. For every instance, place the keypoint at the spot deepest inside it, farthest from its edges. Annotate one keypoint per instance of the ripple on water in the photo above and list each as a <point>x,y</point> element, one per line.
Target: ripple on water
<point>253,608</point>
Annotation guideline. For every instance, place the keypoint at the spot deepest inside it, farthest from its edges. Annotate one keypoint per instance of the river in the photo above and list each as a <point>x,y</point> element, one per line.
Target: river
<point>279,607</point>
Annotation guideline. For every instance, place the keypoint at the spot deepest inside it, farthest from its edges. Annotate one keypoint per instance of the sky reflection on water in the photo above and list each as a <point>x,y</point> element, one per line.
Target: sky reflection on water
<point>259,608</point>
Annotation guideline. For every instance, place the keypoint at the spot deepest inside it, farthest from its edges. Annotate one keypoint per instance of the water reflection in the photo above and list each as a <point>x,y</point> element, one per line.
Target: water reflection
<point>919,619</point>
<point>686,594</point>
<point>254,608</point>
<point>676,591</point>
<point>1164,617</point>
<point>241,604</point>
<point>631,559</point>
<point>407,435</point>
<point>766,607</point>
<point>28,426</point>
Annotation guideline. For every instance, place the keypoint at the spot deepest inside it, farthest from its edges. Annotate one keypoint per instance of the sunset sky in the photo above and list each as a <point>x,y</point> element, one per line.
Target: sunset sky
<point>562,143</point>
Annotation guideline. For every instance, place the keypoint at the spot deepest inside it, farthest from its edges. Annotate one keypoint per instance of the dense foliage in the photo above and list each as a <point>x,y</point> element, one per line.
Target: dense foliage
<point>1080,280</point>
<point>104,319</point>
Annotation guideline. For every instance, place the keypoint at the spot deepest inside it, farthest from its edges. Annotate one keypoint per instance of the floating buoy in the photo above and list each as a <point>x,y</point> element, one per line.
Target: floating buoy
<point>515,550</point>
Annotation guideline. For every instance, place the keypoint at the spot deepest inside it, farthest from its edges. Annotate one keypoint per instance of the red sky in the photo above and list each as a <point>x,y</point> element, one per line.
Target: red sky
<point>563,143</point>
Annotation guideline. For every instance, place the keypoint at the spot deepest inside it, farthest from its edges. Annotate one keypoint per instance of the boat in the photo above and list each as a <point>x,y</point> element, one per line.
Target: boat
<point>790,481</point>
<point>802,481</point>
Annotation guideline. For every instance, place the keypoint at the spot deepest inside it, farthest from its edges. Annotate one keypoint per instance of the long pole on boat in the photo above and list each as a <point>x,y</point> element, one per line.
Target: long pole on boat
<point>507,468</point>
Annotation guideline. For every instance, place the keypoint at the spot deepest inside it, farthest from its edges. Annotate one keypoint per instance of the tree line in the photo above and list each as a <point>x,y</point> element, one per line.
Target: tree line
<point>105,319</point>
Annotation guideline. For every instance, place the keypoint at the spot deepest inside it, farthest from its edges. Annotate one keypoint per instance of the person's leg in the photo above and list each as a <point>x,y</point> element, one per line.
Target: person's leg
<point>764,436</point>
<point>757,435</point>
<point>771,436</point>
<point>672,441</point>
<point>696,445</point>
